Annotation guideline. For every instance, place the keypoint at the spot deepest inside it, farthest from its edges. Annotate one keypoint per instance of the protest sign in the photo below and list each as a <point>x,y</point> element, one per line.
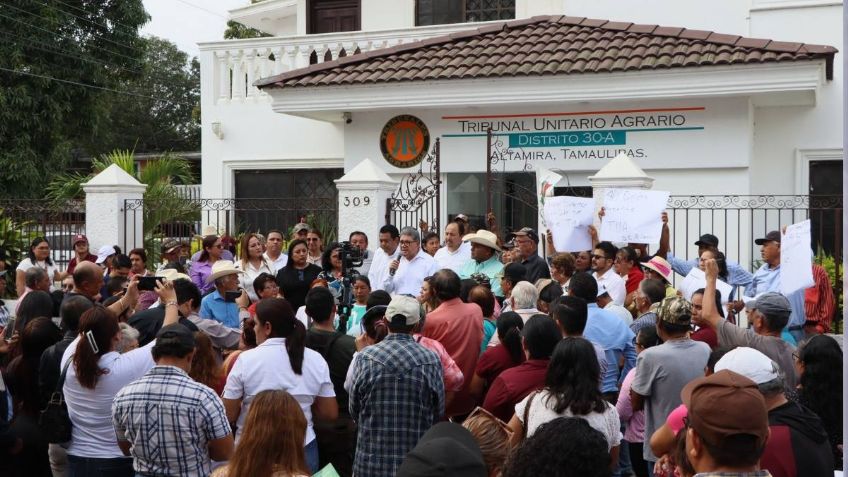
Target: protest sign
<point>633,215</point>
<point>569,218</point>
<point>696,279</point>
<point>796,258</point>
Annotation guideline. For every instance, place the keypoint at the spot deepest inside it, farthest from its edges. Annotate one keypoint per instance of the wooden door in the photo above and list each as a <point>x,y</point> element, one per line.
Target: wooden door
<point>329,16</point>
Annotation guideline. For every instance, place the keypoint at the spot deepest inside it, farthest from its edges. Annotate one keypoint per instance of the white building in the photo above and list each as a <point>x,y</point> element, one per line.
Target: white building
<point>702,104</point>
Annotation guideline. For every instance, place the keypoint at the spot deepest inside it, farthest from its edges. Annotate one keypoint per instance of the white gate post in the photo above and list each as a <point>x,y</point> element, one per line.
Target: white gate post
<point>105,223</point>
<point>363,193</point>
<point>619,173</point>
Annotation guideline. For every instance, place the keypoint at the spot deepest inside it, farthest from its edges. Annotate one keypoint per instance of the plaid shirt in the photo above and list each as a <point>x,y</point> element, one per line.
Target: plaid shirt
<point>396,396</point>
<point>169,419</point>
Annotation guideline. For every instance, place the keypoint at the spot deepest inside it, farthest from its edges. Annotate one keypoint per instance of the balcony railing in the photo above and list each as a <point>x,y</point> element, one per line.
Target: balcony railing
<point>238,63</point>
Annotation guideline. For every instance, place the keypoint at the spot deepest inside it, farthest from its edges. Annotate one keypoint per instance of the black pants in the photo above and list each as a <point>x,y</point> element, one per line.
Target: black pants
<point>336,444</point>
<point>637,460</point>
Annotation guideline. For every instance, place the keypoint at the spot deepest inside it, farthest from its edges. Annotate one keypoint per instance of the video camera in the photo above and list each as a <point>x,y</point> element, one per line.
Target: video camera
<point>351,257</point>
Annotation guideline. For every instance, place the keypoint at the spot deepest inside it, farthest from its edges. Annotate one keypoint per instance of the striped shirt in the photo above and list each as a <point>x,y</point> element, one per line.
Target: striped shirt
<point>169,419</point>
<point>819,304</point>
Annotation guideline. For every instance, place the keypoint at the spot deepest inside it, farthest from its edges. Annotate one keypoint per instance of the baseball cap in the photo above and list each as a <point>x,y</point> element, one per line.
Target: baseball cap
<point>529,233</point>
<point>675,310</point>
<point>405,306</point>
<point>300,226</point>
<point>446,449</point>
<point>773,236</point>
<point>175,334</point>
<point>169,244</point>
<point>749,363</point>
<point>104,252</point>
<point>772,304</point>
<point>461,217</point>
<point>508,245</point>
<point>602,290</point>
<point>515,272</point>
<point>707,240</point>
<point>80,238</point>
<point>725,404</point>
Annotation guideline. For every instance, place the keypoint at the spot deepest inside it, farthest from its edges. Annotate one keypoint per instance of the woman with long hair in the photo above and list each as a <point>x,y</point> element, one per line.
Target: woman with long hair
<point>426,297</point>
<point>22,378</point>
<point>493,437</point>
<point>818,362</point>
<point>505,355</point>
<point>272,441</point>
<point>571,390</point>
<point>281,361</point>
<point>38,255</point>
<point>206,366</point>
<point>35,304</point>
<point>315,246</point>
<point>213,250</point>
<point>295,278</point>
<point>332,272</point>
<point>253,263</point>
<point>95,374</point>
<point>360,289</point>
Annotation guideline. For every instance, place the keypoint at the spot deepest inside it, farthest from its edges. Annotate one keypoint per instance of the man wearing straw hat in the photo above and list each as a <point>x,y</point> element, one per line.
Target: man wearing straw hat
<point>484,260</point>
<point>214,306</point>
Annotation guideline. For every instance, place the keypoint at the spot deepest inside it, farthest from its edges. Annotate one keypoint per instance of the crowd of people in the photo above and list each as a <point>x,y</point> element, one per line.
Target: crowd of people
<point>469,354</point>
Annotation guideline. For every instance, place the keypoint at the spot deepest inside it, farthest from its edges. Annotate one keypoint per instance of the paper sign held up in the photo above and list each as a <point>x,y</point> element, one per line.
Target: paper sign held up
<point>796,271</point>
<point>633,215</point>
<point>569,218</point>
<point>697,279</point>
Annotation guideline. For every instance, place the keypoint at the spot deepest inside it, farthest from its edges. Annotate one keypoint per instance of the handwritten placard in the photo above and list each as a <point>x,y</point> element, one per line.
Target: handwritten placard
<point>568,219</point>
<point>796,271</point>
<point>696,279</point>
<point>633,215</point>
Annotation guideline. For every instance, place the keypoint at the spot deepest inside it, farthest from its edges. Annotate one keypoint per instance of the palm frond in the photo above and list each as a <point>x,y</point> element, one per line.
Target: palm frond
<point>168,169</point>
<point>66,186</point>
<point>125,159</point>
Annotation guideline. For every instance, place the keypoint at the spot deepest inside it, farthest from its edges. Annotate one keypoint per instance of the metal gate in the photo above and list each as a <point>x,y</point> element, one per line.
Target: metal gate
<point>418,197</point>
<point>510,196</point>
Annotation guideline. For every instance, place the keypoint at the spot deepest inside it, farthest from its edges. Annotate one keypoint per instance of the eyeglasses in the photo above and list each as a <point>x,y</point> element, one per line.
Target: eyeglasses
<point>600,257</point>
<point>313,239</point>
<point>407,242</point>
<point>479,411</point>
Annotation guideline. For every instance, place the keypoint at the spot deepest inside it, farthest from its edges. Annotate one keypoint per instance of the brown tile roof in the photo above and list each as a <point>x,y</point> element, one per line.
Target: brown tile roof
<point>549,45</point>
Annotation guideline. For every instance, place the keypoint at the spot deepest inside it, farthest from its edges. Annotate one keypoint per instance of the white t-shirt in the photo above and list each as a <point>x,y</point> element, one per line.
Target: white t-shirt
<point>277,264</point>
<point>541,411</point>
<point>268,367</point>
<point>51,270</point>
<point>90,410</point>
<point>251,273</point>
<point>616,286</point>
<point>453,260</point>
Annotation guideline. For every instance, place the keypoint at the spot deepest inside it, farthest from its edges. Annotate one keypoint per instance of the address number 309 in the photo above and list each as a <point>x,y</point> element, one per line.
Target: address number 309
<point>356,201</point>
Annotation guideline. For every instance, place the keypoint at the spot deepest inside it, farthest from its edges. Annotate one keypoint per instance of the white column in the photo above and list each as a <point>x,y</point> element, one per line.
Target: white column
<point>619,173</point>
<point>106,222</point>
<point>363,193</point>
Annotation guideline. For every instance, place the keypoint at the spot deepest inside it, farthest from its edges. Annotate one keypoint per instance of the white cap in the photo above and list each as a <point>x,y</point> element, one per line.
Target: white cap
<point>104,252</point>
<point>405,306</point>
<point>601,289</point>
<point>750,363</point>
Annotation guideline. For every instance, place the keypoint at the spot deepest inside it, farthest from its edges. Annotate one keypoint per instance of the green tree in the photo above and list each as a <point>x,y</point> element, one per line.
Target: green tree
<point>58,63</point>
<point>164,121</point>
<point>236,30</point>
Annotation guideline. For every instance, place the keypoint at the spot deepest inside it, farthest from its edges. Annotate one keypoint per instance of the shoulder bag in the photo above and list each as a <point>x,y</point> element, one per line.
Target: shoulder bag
<point>53,420</point>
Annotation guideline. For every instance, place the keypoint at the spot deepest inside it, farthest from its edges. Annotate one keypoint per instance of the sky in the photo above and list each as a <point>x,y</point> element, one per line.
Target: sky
<point>188,22</point>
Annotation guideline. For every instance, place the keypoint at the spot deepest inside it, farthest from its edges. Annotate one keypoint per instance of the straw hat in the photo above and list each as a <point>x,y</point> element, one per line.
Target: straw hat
<point>659,265</point>
<point>222,268</point>
<point>207,230</point>
<point>484,238</point>
<point>171,274</point>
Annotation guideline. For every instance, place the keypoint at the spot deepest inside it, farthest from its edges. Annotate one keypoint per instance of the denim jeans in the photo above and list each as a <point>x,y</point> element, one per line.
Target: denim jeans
<point>95,467</point>
<point>311,450</point>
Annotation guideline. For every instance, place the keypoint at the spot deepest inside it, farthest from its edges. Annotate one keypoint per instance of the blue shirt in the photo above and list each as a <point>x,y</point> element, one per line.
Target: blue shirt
<point>214,307</point>
<point>613,335</point>
<point>767,279</point>
<point>736,275</point>
<point>491,268</point>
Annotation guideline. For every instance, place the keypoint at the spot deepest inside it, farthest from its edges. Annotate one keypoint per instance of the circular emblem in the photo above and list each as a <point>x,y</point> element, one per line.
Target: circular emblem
<point>404,141</point>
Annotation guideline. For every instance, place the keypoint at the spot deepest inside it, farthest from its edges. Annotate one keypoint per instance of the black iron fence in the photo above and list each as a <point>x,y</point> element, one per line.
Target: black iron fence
<point>187,218</point>
<point>21,221</point>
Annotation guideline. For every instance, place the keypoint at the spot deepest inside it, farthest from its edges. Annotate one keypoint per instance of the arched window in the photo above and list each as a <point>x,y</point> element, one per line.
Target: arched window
<point>438,12</point>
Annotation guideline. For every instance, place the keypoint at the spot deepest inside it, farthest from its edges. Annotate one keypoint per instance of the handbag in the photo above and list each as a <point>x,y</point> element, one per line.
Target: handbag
<point>527,414</point>
<point>54,422</point>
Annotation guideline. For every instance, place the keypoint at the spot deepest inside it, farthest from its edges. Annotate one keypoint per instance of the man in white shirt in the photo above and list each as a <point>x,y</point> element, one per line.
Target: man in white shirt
<point>603,257</point>
<point>274,251</point>
<point>359,240</point>
<point>408,273</point>
<point>455,252</point>
<point>388,251</point>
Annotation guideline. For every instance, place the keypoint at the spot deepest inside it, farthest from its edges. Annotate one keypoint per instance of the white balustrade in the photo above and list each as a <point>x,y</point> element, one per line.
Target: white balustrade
<point>238,63</point>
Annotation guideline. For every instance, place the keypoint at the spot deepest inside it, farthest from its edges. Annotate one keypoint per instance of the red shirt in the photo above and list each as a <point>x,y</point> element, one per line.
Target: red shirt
<point>706,335</point>
<point>493,362</point>
<point>634,277</point>
<point>513,385</point>
<point>458,327</point>
<point>819,304</point>
<point>72,264</point>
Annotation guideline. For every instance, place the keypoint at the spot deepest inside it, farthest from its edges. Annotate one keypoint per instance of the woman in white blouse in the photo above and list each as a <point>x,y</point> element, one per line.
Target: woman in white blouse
<point>95,374</point>
<point>37,256</point>
<point>571,390</point>
<point>253,263</point>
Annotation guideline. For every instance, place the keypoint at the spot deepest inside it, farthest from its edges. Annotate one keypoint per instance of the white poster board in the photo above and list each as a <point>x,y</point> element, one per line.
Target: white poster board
<point>633,215</point>
<point>545,182</point>
<point>696,279</point>
<point>568,219</point>
<point>796,270</point>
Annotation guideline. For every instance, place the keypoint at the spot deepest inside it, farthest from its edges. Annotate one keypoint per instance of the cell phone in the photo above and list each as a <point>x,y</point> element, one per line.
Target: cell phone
<point>230,296</point>
<point>10,329</point>
<point>148,283</point>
